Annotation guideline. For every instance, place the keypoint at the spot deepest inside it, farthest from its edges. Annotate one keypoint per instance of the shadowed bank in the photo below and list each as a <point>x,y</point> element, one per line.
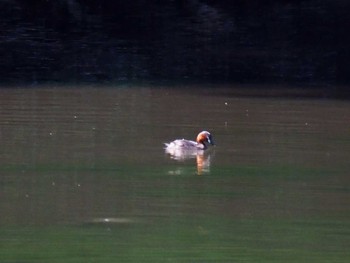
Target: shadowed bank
<point>278,42</point>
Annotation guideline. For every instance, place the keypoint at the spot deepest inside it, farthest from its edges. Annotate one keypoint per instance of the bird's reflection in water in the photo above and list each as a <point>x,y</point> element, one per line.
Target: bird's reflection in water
<point>203,164</point>
<point>203,160</point>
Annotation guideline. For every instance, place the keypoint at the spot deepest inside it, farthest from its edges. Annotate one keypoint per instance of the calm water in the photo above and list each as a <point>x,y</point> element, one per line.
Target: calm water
<point>84,177</point>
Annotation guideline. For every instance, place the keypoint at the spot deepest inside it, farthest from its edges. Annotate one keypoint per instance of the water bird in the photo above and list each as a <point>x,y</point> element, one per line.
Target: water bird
<point>183,147</point>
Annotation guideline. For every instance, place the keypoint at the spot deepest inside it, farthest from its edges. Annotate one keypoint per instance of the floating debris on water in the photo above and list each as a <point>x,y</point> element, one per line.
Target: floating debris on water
<point>112,220</point>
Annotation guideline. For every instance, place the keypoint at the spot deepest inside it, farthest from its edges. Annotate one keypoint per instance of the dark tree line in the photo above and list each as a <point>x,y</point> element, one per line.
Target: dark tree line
<point>299,42</point>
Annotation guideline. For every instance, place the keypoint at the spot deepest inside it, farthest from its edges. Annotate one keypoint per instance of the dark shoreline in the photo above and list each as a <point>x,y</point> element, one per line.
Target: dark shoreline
<point>219,89</point>
<point>295,43</point>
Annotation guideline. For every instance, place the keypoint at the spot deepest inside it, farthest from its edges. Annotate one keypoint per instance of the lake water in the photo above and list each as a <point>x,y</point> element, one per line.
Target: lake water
<point>84,177</point>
